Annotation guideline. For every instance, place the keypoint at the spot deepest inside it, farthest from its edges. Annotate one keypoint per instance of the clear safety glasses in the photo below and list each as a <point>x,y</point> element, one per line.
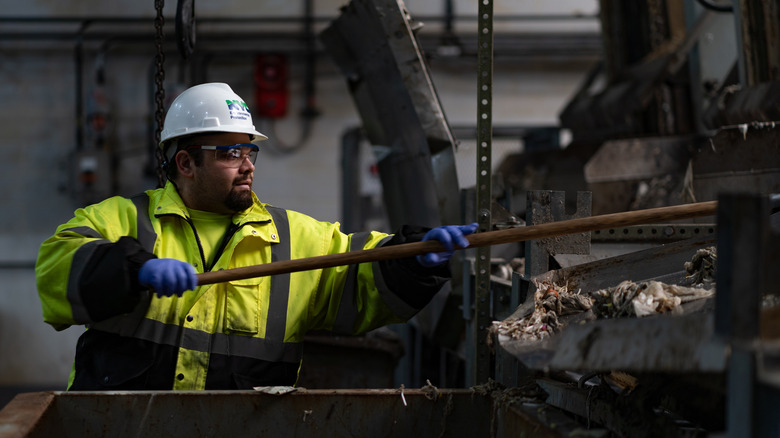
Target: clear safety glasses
<point>232,155</point>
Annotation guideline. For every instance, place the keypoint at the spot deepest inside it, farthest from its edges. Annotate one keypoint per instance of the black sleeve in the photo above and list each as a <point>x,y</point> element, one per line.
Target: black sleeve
<point>411,281</point>
<point>109,284</point>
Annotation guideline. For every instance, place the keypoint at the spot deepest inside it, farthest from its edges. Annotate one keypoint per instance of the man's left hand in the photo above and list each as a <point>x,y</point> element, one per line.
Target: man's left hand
<point>448,235</point>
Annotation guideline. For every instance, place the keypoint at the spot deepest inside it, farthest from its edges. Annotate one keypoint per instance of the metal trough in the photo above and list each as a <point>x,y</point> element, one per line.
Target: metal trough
<point>302,413</point>
<point>662,343</point>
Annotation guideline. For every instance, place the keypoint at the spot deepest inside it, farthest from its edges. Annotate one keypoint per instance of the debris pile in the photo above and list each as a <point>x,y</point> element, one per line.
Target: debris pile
<point>648,298</point>
<point>552,301</point>
<point>642,299</point>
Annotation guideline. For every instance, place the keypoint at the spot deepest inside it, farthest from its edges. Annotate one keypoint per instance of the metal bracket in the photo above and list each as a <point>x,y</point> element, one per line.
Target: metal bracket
<point>550,206</point>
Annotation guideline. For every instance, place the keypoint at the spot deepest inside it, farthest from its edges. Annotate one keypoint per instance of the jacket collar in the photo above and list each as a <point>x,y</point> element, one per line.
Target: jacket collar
<point>170,203</point>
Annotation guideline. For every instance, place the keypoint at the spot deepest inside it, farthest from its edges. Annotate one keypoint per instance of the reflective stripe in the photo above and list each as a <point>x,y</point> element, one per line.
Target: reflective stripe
<point>84,231</point>
<point>272,348</point>
<point>144,231</point>
<point>348,312</point>
<point>80,259</point>
<point>396,304</point>
<point>218,343</point>
<point>280,284</point>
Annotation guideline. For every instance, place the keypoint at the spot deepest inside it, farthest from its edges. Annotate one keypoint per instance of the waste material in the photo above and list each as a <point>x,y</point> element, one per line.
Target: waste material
<point>276,390</point>
<point>552,301</point>
<point>627,299</point>
<point>643,299</point>
<point>701,268</point>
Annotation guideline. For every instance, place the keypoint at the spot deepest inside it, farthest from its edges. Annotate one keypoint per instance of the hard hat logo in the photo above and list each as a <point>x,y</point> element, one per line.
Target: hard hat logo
<point>238,109</point>
<point>237,105</point>
<point>205,108</point>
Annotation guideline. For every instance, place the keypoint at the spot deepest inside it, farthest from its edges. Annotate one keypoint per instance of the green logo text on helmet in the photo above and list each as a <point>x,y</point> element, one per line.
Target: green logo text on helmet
<point>212,107</point>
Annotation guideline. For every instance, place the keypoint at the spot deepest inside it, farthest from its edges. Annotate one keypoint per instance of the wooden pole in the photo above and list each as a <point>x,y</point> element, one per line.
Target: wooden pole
<point>520,234</point>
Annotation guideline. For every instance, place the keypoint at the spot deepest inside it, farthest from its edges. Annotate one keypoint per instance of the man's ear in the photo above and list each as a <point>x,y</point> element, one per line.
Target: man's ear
<point>184,164</point>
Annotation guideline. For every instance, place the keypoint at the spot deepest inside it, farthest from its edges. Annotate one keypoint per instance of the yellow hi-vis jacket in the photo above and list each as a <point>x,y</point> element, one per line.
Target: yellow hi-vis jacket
<point>232,335</point>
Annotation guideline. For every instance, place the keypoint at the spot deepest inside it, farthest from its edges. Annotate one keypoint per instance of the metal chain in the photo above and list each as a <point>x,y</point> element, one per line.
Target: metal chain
<point>159,96</point>
<point>658,23</point>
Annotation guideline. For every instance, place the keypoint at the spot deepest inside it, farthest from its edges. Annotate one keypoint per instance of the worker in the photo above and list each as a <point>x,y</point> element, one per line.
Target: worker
<point>126,268</point>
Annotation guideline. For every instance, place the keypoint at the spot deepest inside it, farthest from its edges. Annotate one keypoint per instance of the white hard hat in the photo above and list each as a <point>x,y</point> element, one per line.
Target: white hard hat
<point>212,107</point>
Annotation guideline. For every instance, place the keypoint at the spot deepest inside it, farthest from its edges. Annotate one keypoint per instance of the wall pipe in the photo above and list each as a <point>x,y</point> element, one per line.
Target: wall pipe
<point>307,38</point>
<point>284,19</point>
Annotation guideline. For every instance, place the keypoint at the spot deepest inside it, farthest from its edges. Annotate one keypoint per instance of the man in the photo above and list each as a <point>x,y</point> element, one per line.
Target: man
<point>126,268</point>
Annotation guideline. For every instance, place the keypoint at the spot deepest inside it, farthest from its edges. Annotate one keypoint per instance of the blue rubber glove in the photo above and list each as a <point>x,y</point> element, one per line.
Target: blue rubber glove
<point>447,235</point>
<point>167,276</point>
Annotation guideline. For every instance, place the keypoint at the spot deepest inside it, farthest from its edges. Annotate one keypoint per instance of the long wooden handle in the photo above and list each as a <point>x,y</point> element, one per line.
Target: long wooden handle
<point>520,234</point>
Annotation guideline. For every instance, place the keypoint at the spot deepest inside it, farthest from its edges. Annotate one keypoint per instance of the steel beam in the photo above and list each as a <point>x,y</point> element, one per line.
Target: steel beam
<point>481,322</point>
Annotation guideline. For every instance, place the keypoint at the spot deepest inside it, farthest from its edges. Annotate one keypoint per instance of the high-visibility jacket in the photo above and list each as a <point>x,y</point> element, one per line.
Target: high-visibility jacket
<point>232,335</point>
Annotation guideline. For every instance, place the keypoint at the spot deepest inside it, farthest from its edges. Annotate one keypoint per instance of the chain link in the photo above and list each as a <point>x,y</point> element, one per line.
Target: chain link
<point>159,96</point>
<point>658,19</point>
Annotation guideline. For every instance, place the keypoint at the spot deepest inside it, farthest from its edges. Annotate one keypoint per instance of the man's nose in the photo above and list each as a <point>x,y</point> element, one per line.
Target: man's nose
<point>246,165</point>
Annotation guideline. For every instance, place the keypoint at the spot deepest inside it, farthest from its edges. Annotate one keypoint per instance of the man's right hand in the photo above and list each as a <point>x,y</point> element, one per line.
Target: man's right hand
<point>449,236</point>
<point>168,276</point>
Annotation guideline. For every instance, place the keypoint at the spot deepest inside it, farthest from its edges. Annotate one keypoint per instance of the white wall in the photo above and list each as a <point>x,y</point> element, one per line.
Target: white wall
<point>37,138</point>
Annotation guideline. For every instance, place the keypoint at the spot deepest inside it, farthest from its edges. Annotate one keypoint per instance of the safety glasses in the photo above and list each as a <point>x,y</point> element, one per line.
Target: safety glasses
<point>232,155</point>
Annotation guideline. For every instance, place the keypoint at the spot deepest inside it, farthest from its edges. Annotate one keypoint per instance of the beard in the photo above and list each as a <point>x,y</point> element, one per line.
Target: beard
<point>238,201</point>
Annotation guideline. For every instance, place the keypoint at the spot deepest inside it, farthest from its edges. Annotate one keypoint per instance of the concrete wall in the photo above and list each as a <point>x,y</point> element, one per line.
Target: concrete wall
<point>38,140</point>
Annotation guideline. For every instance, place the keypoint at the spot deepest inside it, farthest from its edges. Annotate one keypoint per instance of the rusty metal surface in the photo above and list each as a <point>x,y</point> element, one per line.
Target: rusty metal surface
<point>330,360</point>
<point>637,173</point>
<point>638,158</point>
<point>25,415</point>
<point>653,344</point>
<point>658,344</point>
<point>248,413</point>
<point>429,412</point>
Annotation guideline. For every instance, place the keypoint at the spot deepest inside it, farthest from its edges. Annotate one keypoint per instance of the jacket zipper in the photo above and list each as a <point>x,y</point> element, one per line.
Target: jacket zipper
<point>232,229</point>
<point>195,233</point>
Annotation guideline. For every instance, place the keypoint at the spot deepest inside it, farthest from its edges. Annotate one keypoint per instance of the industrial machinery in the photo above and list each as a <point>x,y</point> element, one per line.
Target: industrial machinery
<point>671,124</point>
<point>682,109</point>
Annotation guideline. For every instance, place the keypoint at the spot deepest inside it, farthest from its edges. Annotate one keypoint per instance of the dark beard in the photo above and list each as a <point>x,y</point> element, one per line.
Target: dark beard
<point>238,201</point>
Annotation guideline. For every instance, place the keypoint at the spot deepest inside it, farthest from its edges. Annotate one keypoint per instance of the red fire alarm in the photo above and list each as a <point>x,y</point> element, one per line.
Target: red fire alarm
<point>271,85</point>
